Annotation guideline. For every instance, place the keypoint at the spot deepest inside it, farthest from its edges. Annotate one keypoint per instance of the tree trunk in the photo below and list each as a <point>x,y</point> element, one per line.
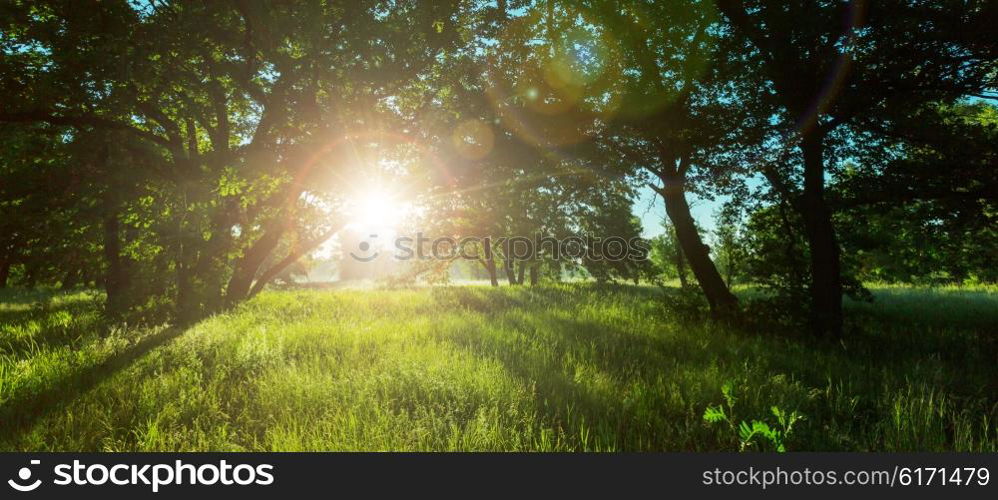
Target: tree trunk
<point>722,302</point>
<point>508,262</point>
<point>115,281</point>
<point>680,261</point>
<point>249,264</point>
<point>826,273</point>
<point>490,266</point>
<point>729,271</point>
<point>87,277</point>
<point>71,278</point>
<point>520,272</point>
<point>510,274</point>
<point>31,276</point>
<point>187,308</point>
<point>208,261</point>
<point>293,257</point>
<point>186,305</point>
<point>4,272</point>
<point>534,274</point>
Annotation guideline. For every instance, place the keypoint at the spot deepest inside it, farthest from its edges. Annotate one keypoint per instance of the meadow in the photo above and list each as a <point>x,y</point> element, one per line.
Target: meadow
<point>569,367</point>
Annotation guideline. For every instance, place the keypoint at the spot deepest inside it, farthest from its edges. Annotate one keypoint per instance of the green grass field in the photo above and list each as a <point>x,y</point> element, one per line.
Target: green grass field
<point>565,368</point>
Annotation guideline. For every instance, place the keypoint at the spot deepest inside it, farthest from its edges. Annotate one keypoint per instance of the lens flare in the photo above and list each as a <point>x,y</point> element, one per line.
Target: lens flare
<point>473,139</point>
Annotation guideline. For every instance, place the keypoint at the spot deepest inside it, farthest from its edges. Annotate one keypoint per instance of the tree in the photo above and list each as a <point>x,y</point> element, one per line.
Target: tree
<point>729,244</point>
<point>516,165</point>
<point>674,108</point>
<point>243,103</point>
<point>822,76</point>
<point>925,196</point>
<point>667,255</point>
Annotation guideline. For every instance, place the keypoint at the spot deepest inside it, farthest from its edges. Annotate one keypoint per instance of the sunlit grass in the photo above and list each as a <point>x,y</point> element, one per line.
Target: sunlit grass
<point>47,337</point>
<point>572,367</point>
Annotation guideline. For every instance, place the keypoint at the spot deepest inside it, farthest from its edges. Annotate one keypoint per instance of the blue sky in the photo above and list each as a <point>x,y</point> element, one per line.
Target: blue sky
<point>650,208</point>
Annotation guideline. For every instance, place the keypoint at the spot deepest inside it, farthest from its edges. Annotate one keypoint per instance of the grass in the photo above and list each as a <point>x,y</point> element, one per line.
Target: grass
<point>557,368</point>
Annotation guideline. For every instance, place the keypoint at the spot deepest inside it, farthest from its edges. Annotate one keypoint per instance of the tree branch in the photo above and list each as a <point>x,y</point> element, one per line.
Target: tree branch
<point>83,121</point>
<point>293,257</point>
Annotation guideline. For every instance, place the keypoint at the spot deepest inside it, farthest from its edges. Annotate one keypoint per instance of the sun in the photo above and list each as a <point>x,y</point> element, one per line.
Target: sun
<point>377,210</point>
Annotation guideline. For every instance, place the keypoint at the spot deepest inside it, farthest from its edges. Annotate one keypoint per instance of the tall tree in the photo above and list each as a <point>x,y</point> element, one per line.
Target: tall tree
<point>248,104</point>
<point>826,64</point>
<point>672,107</point>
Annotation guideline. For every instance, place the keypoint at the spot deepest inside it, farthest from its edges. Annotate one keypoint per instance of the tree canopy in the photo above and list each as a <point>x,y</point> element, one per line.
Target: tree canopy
<point>182,155</point>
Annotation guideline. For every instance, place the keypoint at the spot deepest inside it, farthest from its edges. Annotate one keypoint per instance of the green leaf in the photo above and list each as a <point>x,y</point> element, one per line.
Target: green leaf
<point>763,429</point>
<point>726,392</point>
<point>714,414</point>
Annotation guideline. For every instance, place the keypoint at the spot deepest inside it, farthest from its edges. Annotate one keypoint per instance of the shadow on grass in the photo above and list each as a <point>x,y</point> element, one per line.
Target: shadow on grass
<point>19,414</point>
<point>578,369</point>
<point>37,296</point>
<point>943,308</point>
<point>951,360</point>
<point>53,330</point>
<point>897,328</point>
<point>487,299</point>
